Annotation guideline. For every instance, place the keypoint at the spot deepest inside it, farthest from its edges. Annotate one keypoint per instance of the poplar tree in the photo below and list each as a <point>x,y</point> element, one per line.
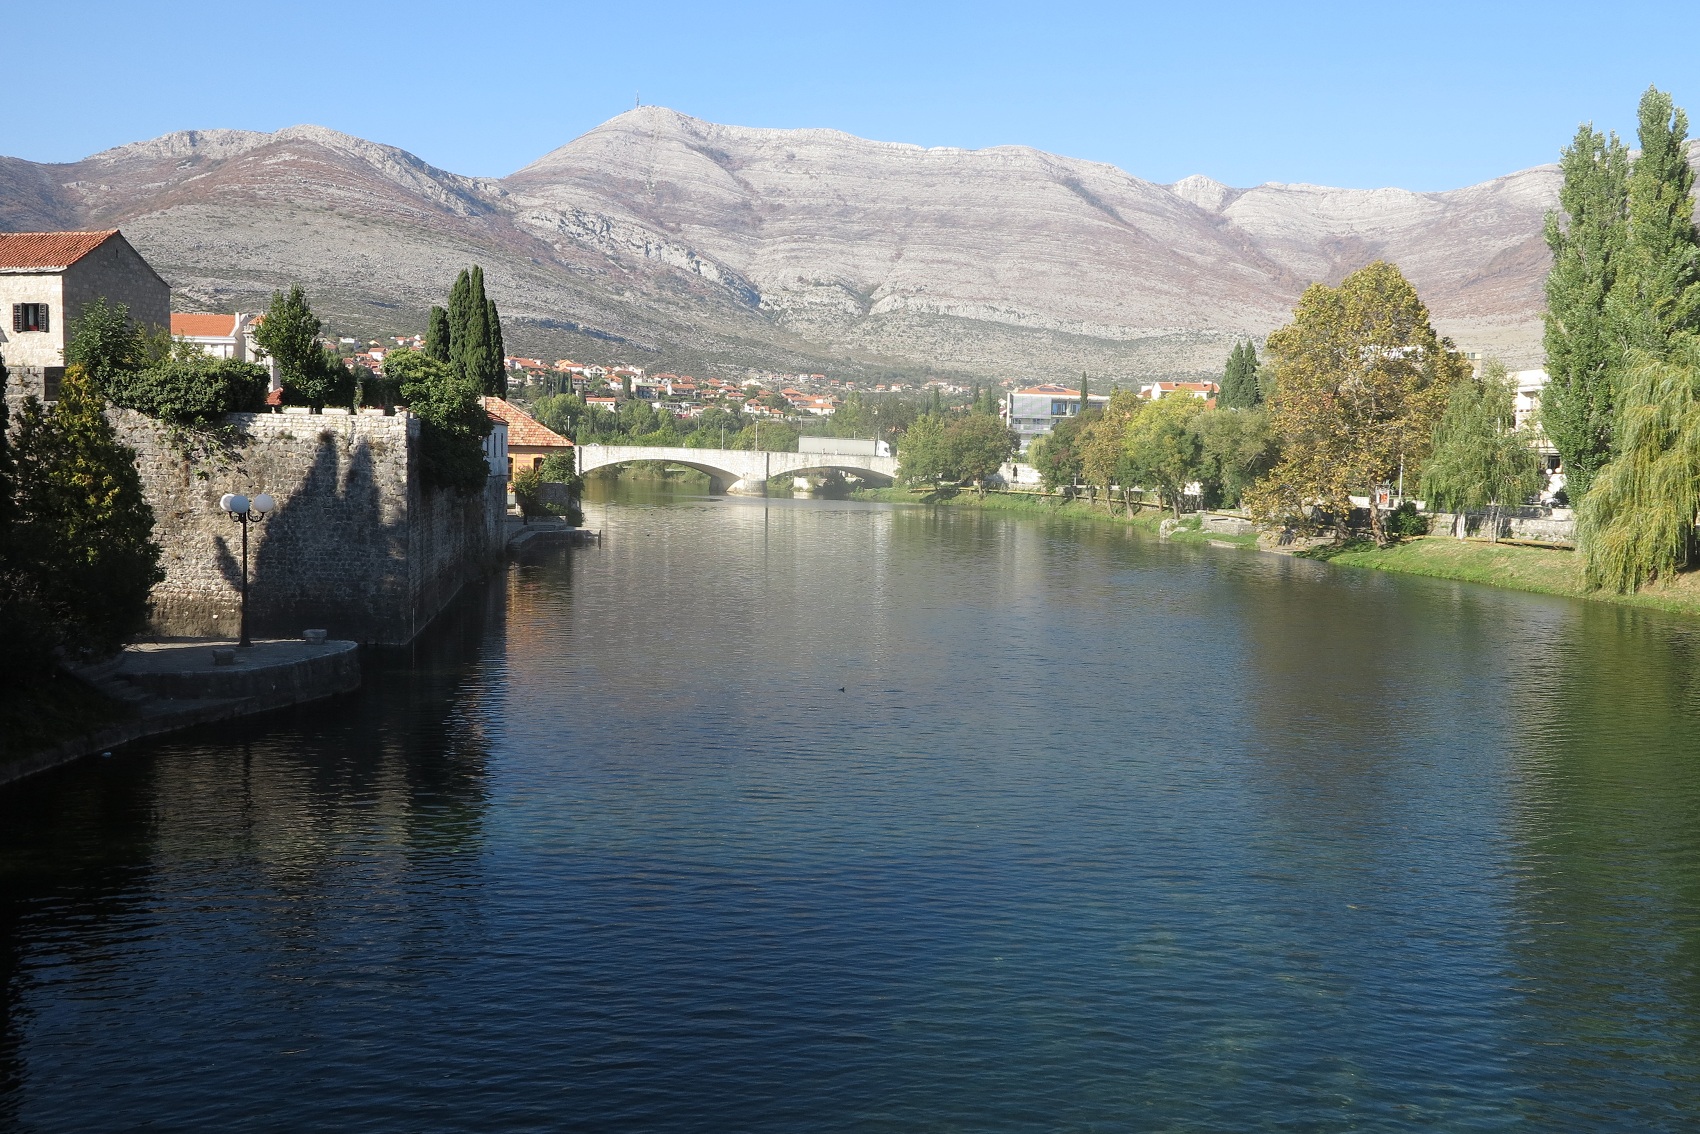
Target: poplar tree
<point>1583,349</point>
<point>1657,292</point>
<point>437,336</point>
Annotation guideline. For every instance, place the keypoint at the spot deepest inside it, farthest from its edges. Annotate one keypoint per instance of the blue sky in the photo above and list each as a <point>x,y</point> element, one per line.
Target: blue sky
<point>1419,96</point>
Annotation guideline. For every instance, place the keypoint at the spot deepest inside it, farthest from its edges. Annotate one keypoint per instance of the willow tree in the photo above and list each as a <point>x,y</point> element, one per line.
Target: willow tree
<point>1638,523</point>
<point>1480,459</point>
<point>1361,382</point>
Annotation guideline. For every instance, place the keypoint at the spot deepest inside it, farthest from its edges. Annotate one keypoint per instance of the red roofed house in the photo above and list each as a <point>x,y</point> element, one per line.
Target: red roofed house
<point>222,336</point>
<point>47,277</point>
<point>529,440</point>
<point>1153,391</point>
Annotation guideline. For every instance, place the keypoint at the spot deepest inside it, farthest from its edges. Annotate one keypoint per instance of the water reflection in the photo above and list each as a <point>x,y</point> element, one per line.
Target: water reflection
<point>769,814</point>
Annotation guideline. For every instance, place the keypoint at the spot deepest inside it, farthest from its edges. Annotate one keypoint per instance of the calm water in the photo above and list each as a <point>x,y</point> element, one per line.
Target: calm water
<point>816,816</point>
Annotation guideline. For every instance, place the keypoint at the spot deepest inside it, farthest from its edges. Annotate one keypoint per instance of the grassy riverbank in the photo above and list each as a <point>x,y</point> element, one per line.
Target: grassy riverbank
<point>1519,568</point>
<point>1538,569</point>
<point>1033,504</point>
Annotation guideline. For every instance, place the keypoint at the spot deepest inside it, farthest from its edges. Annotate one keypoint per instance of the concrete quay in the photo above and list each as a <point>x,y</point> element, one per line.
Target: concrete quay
<point>178,684</point>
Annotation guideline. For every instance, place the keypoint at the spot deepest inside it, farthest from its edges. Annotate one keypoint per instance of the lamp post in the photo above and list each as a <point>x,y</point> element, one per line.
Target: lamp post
<point>244,511</point>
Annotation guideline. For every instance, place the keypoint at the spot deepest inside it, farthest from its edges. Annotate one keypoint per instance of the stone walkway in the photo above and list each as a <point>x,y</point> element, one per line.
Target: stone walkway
<point>175,685</point>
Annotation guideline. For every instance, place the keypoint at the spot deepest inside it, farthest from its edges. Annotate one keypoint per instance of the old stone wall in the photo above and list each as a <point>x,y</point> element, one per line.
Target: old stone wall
<point>354,546</point>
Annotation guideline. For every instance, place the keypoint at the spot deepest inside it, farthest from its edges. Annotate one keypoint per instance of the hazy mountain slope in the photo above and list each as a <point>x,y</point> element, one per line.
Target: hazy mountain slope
<point>673,241</point>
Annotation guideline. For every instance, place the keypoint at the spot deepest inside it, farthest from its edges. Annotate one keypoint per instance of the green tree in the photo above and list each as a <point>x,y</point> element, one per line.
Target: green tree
<point>437,335</point>
<point>1657,291</point>
<point>497,383</point>
<point>1239,384</point>
<point>1583,350</point>
<point>976,446</point>
<point>923,458</point>
<point>1103,453</point>
<point>290,334</point>
<point>452,420</point>
<point>1164,450</point>
<point>83,530</point>
<point>1637,523</point>
<point>473,346</point>
<point>106,342</point>
<point>1480,459</point>
<point>1238,447</point>
<point>1059,455</point>
<point>1361,382</point>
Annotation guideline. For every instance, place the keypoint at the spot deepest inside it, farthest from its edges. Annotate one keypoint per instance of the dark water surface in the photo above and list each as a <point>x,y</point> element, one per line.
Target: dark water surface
<point>1098,834</point>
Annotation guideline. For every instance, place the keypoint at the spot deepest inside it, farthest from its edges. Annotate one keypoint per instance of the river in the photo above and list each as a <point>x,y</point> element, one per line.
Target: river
<point>819,815</point>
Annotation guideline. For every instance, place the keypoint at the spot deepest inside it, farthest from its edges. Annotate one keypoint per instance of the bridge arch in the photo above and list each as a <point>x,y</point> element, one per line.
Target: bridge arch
<point>738,470</point>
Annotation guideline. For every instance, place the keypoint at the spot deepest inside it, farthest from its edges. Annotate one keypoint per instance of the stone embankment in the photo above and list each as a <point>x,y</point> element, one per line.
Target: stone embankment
<point>181,684</point>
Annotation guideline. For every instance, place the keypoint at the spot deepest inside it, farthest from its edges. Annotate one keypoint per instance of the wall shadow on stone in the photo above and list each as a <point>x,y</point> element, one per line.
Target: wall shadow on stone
<point>328,557</point>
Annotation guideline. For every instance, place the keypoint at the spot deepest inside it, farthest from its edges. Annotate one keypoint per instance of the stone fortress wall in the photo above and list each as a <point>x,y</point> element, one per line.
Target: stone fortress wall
<point>355,546</point>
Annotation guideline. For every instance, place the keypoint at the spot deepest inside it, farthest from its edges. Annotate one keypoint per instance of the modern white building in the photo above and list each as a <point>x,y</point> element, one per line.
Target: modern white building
<point>1035,411</point>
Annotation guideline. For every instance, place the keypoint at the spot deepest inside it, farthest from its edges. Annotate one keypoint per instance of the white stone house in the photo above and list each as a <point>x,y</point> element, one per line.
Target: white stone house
<point>222,336</point>
<point>46,278</point>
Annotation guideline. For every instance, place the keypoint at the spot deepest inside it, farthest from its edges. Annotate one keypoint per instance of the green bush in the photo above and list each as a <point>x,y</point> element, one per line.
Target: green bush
<point>190,391</point>
<point>561,469</point>
<point>452,420</point>
<point>1405,522</point>
<point>528,493</point>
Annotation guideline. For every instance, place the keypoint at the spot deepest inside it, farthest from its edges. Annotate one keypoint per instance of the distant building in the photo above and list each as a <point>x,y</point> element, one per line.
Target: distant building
<point>222,336</point>
<point>529,441</point>
<point>46,278</point>
<point>1152,391</point>
<point>1035,411</point>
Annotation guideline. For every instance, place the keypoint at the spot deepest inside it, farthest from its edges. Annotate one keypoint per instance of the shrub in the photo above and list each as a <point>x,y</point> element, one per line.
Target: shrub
<point>561,469</point>
<point>528,493</point>
<point>1405,521</point>
<point>190,391</point>
<point>83,532</point>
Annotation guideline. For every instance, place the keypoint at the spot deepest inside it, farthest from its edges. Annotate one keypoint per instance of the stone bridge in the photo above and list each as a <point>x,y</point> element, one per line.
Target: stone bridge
<point>741,471</point>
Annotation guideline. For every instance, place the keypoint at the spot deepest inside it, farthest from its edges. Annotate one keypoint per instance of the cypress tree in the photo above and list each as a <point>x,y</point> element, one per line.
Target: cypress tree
<point>460,320</point>
<point>1240,388</point>
<point>496,380</point>
<point>437,335</point>
<point>1657,292</point>
<point>1583,349</point>
<point>1085,392</point>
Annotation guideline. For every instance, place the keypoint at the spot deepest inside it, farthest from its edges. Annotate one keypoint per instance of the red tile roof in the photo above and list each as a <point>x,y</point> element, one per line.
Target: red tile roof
<point>523,429</point>
<point>24,251</point>
<point>203,326</point>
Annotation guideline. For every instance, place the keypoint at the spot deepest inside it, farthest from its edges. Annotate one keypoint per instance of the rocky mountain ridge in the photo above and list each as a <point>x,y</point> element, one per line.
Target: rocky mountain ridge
<point>668,241</point>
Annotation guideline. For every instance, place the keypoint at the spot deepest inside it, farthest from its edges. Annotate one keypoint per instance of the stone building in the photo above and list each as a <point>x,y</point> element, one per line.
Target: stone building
<point>530,442</point>
<point>46,278</point>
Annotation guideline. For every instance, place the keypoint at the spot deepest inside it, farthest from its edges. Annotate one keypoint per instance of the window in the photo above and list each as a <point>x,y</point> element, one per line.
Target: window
<point>1059,409</point>
<point>29,316</point>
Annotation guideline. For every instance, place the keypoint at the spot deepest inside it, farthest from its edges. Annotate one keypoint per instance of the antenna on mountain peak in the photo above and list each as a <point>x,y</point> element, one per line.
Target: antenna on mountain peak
<point>637,99</point>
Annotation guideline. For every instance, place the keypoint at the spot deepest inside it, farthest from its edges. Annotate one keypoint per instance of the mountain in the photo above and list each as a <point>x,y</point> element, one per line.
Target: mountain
<point>667,241</point>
